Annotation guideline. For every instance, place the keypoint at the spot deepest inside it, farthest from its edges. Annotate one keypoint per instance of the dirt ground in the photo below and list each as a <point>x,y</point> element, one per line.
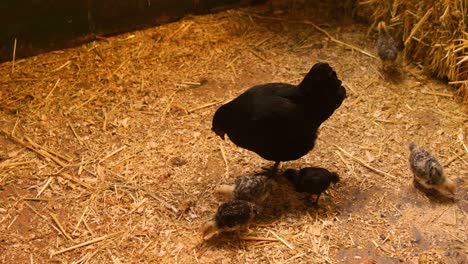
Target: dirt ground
<point>112,159</point>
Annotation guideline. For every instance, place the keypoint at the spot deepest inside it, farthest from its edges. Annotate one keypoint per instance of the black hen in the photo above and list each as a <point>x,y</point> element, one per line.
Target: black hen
<point>311,180</point>
<point>279,121</point>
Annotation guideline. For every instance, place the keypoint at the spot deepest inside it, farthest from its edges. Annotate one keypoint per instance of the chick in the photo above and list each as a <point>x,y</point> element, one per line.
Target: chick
<point>386,48</point>
<point>230,216</point>
<point>428,172</point>
<point>249,188</point>
<point>311,180</point>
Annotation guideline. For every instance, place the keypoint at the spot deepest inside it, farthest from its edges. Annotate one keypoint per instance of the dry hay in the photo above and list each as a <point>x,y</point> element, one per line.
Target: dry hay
<point>107,154</point>
<point>434,33</point>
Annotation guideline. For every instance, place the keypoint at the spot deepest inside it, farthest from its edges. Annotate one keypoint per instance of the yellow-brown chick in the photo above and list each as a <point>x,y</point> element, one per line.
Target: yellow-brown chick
<point>428,172</point>
<point>386,48</point>
<point>254,189</point>
<point>230,216</point>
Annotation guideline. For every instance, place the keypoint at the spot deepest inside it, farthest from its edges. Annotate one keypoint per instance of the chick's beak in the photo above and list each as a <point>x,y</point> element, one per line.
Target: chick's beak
<point>219,132</point>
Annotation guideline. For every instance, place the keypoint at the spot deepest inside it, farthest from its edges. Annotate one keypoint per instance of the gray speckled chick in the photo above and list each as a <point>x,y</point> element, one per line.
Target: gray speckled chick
<point>386,47</point>
<point>428,172</point>
<point>230,216</point>
<point>249,188</point>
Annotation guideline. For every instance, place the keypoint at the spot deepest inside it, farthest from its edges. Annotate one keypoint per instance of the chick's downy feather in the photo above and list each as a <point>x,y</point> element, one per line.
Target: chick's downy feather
<point>254,188</point>
<point>312,180</point>
<point>230,216</point>
<point>386,45</point>
<point>428,171</point>
<point>235,213</point>
<point>279,121</point>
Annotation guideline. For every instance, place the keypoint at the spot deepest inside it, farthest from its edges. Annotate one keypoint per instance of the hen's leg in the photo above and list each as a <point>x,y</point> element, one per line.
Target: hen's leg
<point>270,171</point>
<point>318,197</point>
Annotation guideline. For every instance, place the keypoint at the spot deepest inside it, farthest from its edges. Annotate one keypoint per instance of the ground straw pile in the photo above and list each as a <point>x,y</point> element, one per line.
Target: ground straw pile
<point>434,34</point>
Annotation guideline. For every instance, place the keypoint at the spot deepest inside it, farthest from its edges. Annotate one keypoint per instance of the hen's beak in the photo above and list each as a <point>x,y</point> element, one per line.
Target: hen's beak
<point>343,92</point>
<point>219,132</point>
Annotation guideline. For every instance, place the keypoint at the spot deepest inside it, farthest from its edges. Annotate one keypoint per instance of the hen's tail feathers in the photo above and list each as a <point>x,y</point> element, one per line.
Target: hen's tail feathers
<point>334,177</point>
<point>321,76</point>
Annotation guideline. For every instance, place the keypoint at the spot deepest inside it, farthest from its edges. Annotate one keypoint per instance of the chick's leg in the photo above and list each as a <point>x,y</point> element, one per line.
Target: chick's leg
<point>310,202</point>
<point>318,197</point>
<point>238,233</point>
<point>246,229</point>
<point>241,230</point>
<point>277,166</point>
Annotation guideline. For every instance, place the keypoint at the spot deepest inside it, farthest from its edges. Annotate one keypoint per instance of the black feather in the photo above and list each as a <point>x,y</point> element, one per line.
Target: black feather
<point>311,180</point>
<point>279,121</point>
<point>292,176</point>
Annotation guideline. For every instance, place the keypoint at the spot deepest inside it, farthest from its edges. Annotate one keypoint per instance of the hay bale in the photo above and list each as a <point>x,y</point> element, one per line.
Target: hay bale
<point>434,33</point>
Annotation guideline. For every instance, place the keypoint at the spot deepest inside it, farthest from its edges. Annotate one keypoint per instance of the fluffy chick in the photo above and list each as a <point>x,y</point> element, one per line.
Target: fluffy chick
<point>230,216</point>
<point>428,172</point>
<point>249,188</point>
<point>279,121</point>
<point>311,180</point>
<point>386,48</point>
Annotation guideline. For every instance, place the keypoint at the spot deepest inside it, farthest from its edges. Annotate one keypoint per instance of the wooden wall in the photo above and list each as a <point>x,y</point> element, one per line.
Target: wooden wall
<point>43,25</point>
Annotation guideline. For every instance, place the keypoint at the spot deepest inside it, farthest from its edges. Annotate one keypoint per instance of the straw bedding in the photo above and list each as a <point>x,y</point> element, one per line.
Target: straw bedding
<point>107,155</point>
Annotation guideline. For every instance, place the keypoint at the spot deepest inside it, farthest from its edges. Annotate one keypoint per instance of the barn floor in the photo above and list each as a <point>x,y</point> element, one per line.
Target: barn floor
<point>112,159</point>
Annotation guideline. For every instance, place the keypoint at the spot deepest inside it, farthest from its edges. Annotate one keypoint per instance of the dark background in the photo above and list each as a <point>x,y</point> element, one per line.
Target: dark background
<point>44,25</point>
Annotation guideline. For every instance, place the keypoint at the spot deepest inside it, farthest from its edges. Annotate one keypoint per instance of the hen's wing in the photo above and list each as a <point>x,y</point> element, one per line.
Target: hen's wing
<point>265,102</point>
<point>270,122</point>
